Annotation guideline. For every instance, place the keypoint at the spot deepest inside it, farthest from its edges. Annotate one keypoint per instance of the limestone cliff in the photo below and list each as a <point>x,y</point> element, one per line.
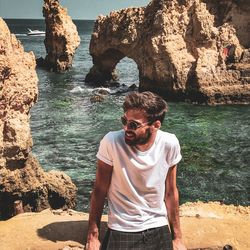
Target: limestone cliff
<point>61,39</point>
<point>183,49</point>
<point>235,13</point>
<point>21,177</point>
<point>18,93</point>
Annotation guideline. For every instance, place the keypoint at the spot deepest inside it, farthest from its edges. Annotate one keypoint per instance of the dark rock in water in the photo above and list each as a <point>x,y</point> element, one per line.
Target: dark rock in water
<point>133,87</point>
<point>103,92</point>
<point>99,77</point>
<point>124,89</point>
<point>97,98</point>
<point>100,93</point>
<point>111,84</point>
<point>44,64</point>
<point>40,62</point>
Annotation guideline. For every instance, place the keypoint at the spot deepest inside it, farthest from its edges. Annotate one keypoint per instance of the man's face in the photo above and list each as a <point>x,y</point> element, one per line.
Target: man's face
<point>137,130</point>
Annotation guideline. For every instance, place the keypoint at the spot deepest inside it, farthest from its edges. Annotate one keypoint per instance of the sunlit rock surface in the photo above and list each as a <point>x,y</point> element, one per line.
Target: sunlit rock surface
<point>61,39</point>
<point>235,13</point>
<point>205,226</point>
<point>18,93</point>
<point>21,177</point>
<point>183,49</point>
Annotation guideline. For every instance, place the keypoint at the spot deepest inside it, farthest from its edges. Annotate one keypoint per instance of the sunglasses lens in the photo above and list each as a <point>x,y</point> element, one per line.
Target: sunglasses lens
<point>132,125</point>
<point>124,121</point>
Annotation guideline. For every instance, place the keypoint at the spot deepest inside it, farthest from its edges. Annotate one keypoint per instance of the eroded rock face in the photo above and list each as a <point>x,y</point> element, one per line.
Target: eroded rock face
<point>61,39</point>
<point>21,176</point>
<point>36,189</point>
<point>182,50</point>
<point>18,93</point>
<point>235,13</point>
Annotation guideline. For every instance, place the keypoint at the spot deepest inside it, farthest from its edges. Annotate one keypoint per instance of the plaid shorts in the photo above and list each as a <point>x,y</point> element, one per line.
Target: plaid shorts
<point>151,239</point>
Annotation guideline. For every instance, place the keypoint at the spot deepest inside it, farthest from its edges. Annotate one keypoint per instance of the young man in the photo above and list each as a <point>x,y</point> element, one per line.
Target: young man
<point>136,170</point>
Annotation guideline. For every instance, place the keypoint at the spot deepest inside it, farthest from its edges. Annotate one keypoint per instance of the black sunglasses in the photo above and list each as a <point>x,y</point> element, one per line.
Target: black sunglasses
<point>132,124</point>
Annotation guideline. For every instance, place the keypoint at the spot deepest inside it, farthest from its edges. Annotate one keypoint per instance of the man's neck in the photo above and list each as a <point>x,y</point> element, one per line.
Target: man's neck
<point>148,145</point>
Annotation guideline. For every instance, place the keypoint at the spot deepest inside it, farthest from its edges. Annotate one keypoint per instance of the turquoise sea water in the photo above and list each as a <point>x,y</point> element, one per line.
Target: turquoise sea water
<point>67,128</point>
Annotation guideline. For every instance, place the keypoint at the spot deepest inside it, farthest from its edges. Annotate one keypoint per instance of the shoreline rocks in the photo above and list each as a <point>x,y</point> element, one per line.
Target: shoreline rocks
<point>21,177</point>
<point>18,93</point>
<point>36,189</point>
<point>182,49</point>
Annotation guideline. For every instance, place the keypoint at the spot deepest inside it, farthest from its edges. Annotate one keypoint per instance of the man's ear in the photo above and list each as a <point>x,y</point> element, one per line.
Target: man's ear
<point>157,124</point>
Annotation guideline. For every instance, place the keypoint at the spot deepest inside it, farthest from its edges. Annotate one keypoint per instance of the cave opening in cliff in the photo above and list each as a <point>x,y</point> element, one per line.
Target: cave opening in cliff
<point>128,72</point>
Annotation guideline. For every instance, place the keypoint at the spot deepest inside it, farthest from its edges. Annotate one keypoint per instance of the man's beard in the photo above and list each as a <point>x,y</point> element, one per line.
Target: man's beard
<point>138,139</point>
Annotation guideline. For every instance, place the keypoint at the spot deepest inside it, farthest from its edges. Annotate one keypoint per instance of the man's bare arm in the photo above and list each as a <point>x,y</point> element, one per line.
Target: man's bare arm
<point>101,186</point>
<point>172,204</point>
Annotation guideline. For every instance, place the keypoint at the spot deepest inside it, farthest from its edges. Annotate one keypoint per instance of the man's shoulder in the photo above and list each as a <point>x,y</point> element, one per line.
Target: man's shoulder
<point>114,136</point>
<point>167,138</point>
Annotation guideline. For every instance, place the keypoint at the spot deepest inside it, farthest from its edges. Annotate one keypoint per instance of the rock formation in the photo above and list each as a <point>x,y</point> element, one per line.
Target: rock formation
<point>18,93</point>
<point>183,49</point>
<point>235,13</point>
<point>61,39</point>
<point>21,177</point>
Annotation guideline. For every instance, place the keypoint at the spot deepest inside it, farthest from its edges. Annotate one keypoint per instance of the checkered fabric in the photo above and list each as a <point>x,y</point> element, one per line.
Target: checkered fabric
<point>150,239</point>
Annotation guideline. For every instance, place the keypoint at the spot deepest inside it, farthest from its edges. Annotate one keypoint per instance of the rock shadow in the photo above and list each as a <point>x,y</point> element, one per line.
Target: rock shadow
<point>68,231</point>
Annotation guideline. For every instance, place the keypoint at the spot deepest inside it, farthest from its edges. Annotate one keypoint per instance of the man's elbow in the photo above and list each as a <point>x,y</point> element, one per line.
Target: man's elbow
<point>173,192</point>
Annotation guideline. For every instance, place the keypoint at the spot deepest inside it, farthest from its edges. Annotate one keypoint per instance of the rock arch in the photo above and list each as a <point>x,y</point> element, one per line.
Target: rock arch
<point>104,67</point>
<point>179,51</point>
<point>128,72</point>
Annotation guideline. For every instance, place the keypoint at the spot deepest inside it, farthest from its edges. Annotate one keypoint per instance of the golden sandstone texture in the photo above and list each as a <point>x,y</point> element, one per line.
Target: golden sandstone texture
<point>21,176</point>
<point>61,39</point>
<point>205,226</point>
<point>184,49</point>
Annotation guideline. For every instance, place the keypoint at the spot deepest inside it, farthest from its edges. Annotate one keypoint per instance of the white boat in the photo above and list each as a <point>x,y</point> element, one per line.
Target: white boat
<point>35,33</point>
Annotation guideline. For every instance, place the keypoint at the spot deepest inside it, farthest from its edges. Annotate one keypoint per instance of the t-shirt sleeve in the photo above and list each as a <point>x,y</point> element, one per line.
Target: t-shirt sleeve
<point>104,152</point>
<point>174,152</point>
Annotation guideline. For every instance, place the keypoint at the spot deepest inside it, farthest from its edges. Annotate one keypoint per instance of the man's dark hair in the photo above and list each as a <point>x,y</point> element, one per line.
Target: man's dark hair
<point>154,106</point>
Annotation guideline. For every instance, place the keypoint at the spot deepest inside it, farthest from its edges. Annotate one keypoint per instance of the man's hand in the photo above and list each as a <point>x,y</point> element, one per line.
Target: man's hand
<point>178,245</point>
<point>93,244</point>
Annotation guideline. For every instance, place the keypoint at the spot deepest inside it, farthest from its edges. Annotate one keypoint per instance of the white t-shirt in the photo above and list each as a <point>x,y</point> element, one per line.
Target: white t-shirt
<point>137,188</point>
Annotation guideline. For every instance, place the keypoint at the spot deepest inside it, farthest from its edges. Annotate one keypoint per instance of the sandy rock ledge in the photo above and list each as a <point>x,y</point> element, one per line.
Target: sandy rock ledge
<point>207,226</point>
